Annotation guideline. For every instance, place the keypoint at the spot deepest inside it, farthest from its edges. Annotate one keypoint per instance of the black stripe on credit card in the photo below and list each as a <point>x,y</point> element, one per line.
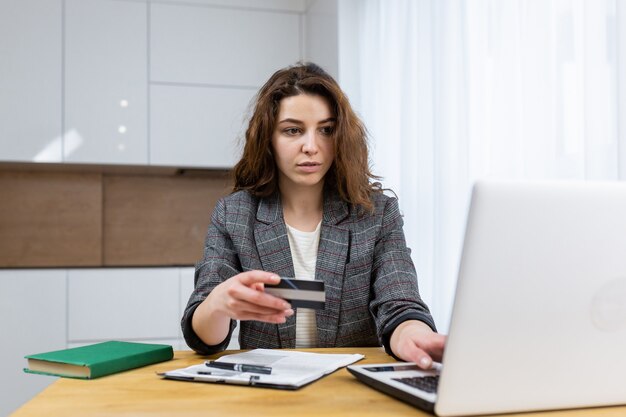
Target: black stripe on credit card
<point>300,293</point>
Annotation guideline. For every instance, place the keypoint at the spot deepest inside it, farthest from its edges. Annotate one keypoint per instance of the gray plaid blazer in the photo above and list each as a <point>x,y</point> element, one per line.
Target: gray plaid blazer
<point>370,280</point>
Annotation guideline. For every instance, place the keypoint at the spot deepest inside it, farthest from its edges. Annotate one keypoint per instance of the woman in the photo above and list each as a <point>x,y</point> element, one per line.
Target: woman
<point>305,205</point>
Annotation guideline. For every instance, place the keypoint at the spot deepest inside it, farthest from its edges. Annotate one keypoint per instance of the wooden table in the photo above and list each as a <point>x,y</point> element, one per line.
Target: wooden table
<point>141,392</point>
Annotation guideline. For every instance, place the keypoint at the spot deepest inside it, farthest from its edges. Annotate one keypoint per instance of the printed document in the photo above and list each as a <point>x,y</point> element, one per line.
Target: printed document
<point>289,369</point>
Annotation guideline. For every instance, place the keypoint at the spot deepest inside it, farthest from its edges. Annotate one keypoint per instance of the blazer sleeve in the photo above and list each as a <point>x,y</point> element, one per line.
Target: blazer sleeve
<point>396,296</point>
<point>220,262</point>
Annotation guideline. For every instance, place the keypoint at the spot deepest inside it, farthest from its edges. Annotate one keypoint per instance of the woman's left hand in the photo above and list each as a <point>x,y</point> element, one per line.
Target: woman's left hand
<point>414,341</point>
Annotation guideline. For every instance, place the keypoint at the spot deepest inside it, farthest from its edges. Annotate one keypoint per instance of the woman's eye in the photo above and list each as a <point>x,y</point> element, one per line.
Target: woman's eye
<point>327,130</point>
<point>292,131</point>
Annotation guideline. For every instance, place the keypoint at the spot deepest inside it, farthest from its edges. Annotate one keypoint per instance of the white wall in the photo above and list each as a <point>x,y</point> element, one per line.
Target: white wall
<point>130,82</point>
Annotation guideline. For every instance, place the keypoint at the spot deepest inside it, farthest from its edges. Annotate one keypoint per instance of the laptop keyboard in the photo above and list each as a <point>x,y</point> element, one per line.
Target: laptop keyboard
<point>424,383</point>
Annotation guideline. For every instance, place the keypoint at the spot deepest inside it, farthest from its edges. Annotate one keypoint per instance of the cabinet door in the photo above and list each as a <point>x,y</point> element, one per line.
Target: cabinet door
<point>186,288</point>
<point>206,65</point>
<point>106,82</point>
<point>174,343</point>
<point>30,80</point>
<point>219,46</point>
<point>196,126</point>
<point>33,307</point>
<point>123,304</point>
<point>284,5</point>
<point>322,35</point>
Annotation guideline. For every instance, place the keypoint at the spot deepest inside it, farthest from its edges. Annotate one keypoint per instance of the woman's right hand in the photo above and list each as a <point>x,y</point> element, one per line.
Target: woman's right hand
<point>242,297</point>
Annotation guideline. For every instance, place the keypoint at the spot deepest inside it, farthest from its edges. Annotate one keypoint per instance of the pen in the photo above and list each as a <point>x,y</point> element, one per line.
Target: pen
<point>240,367</point>
<point>252,377</point>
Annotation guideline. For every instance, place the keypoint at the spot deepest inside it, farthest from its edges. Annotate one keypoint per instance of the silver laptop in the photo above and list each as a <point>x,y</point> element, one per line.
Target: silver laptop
<point>539,317</point>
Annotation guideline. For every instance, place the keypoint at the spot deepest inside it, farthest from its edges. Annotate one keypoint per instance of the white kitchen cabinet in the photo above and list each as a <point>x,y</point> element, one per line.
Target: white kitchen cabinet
<point>186,288</point>
<point>221,46</point>
<point>33,317</point>
<point>322,35</point>
<point>106,82</point>
<point>174,343</point>
<point>123,304</point>
<point>50,309</point>
<point>196,126</point>
<point>78,78</point>
<point>30,80</point>
<point>283,5</point>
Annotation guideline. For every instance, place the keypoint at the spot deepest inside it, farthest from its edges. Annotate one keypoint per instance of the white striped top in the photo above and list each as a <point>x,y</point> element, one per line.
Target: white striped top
<point>303,247</point>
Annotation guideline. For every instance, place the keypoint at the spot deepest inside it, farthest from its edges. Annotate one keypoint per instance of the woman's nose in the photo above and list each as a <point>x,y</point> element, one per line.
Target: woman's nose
<point>310,143</point>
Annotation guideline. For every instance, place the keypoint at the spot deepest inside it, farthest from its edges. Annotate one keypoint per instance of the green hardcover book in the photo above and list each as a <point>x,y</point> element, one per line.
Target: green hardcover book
<point>97,360</point>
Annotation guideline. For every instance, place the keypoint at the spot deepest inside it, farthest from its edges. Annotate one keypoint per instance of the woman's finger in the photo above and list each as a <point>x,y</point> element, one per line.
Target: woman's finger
<point>250,295</point>
<point>267,318</point>
<point>251,277</point>
<point>242,306</point>
<point>417,355</point>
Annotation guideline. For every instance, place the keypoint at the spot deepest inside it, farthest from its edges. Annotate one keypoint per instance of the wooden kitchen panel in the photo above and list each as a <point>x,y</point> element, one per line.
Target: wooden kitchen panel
<point>158,220</point>
<point>50,219</point>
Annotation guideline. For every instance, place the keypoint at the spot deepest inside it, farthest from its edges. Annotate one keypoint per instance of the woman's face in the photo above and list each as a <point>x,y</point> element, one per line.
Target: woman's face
<point>303,141</point>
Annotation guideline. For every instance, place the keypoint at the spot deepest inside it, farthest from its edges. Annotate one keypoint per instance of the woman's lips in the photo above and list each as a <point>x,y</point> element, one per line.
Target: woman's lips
<point>309,167</point>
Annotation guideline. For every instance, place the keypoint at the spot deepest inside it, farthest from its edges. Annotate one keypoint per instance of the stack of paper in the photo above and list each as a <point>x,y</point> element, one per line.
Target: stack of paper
<point>289,369</point>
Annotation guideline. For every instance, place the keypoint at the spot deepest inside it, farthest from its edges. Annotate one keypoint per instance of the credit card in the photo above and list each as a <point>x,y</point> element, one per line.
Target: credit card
<point>299,292</point>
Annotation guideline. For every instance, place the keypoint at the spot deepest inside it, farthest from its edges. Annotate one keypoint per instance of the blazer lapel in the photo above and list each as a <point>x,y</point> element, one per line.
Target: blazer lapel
<point>331,261</point>
<point>272,243</point>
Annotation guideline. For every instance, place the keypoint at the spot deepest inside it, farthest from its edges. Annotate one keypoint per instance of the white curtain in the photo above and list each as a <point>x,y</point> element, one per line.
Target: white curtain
<point>453,91</point>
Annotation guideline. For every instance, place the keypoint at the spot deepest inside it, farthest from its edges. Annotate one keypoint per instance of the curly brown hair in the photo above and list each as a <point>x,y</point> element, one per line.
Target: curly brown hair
<point>350,175</point>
